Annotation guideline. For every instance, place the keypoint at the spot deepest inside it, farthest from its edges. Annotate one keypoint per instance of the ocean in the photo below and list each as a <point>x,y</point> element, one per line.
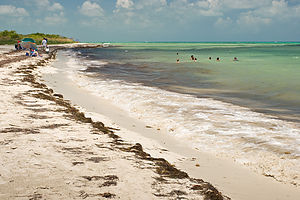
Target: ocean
<point>246,110</point>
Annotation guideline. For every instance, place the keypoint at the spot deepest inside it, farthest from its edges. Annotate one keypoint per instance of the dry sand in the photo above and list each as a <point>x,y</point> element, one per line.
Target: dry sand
<point>52,150</point>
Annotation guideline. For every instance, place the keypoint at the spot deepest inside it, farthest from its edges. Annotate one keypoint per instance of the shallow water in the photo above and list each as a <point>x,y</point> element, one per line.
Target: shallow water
<point>231,109</point>
<point>266,77</point>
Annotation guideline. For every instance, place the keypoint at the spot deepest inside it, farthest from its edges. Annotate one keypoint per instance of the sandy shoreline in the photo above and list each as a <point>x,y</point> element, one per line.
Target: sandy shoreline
<point>230,178</point>
<point>51,150</point>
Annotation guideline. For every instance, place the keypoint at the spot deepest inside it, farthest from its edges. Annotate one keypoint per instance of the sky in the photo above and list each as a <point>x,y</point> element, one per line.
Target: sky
<point>155,20</point>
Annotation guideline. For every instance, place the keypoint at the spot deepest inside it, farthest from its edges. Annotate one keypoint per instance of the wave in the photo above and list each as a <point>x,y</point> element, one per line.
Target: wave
<point>262,142</point>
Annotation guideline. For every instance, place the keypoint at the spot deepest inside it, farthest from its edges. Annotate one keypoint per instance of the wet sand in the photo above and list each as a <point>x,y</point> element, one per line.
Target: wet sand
<point>230,178</point>
<point>51,149</point>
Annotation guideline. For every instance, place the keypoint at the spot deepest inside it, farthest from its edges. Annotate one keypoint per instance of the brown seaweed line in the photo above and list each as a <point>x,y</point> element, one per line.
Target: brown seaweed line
<point>164,168</point>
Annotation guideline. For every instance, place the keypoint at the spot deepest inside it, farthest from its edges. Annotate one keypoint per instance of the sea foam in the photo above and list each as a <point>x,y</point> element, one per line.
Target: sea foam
<point>265,144</point>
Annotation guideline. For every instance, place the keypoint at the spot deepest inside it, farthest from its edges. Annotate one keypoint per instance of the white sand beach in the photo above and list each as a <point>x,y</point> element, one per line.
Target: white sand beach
<point>51,150</point>
<point>53,145</point>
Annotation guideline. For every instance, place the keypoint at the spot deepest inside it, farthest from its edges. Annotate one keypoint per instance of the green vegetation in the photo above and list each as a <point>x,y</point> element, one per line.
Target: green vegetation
<point>11,37</point>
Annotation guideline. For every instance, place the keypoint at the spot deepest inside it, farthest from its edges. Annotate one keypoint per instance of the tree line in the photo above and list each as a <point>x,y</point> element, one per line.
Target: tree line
<point>12,37</point>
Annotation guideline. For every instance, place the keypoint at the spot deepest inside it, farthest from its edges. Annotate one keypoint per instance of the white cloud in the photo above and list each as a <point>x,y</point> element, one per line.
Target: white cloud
<point>42,3</point>
<point>10,10</point>
<point>214,3</point>
<point>252,20</point>
<point>281,10</point>
<point>145,4</point>
<point>49,12</point>
<point>210,13</point>
<point>245,4</point>
<point>275,11</point>
<point>55,19</point>
<point>219,7</point>
<point>56,7</point>
<point>47,5</point>
<point>124,4</point>
<point>276,8</point>
<point>91,9</point>
<point>197,8</point>
<point>202,4</point>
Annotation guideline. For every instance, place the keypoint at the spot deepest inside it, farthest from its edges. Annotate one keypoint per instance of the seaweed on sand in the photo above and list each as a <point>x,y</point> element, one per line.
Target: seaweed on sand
<point>162,167</point>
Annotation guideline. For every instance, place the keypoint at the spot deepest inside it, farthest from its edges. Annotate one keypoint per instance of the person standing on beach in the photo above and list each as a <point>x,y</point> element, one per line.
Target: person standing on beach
<point>44,43</point>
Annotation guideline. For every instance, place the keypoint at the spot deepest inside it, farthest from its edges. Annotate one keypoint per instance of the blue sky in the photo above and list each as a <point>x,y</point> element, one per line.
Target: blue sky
<point>156,20</point>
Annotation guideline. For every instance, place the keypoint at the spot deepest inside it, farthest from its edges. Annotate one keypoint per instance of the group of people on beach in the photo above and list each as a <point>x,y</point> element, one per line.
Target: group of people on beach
<point>33,52</point>
<point>193,58</point>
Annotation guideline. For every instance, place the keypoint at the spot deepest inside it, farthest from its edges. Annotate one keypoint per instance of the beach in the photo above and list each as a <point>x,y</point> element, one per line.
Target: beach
<point>61,141</point>
<point>52,150</point>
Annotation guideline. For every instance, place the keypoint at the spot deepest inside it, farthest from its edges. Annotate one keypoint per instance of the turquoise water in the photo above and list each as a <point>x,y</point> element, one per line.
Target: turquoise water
<point>246,110</point>
<point>266,77</point>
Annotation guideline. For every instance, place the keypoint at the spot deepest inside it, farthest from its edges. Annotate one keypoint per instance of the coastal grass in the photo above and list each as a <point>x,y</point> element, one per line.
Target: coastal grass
<point>11,37</point>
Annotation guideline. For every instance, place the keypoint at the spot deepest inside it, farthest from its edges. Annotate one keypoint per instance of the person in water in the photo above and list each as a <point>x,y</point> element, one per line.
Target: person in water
<point>209,58</point>
<point>235,59</point>
<point>193,58</point>
<point>218,59</point>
